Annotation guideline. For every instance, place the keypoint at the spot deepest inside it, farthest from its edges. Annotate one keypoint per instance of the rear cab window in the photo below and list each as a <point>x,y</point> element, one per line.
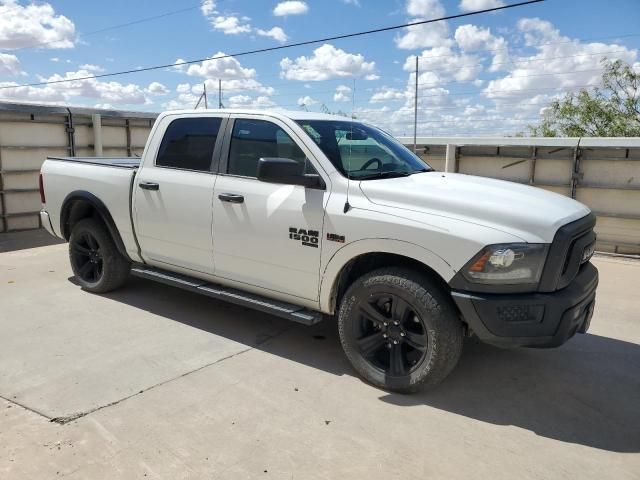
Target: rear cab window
<point>188,144</point>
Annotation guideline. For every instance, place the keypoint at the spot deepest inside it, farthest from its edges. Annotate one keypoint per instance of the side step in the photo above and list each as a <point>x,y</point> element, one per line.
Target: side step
<point>257,302</point>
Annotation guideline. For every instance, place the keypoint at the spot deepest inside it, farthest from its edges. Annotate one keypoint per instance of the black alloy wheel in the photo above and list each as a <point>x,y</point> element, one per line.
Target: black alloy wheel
<point>95,260</point>
<point>390,334</point>
<point>87,259</point>
<point>400,329</point>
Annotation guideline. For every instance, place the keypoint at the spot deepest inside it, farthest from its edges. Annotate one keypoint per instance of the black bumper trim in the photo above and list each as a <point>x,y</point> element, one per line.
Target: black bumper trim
<point>543,319</point>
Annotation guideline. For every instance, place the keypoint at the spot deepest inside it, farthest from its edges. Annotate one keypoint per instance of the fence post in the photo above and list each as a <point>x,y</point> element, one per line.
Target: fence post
<point>97,134</point>
<point>451,159</point>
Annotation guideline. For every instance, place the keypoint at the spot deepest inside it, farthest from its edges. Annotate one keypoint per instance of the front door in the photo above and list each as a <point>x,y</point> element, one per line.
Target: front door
<point>264,234</point>
<point>173,194</point>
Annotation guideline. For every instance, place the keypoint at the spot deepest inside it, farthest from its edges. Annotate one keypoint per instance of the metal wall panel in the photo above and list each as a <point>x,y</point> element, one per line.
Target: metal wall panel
<point>30,133</point>
<point>602,173</point>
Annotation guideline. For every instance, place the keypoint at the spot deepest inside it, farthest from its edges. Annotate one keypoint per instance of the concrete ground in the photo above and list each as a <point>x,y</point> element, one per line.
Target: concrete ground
<point>155,382</point>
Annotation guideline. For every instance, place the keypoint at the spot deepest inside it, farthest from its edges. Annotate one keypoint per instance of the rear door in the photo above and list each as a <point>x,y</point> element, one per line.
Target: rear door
<point>173,193</point>
<point>266,235</point>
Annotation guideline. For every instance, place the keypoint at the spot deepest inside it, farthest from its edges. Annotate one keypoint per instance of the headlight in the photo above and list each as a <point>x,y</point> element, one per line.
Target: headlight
<point>511,263</point>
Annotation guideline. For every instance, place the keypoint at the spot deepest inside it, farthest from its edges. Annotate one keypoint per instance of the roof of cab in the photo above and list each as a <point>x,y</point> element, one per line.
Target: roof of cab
<point>282,114</point>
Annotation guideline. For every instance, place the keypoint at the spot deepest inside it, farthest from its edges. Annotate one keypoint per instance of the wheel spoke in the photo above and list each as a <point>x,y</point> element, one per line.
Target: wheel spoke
<point>80,250</point>
<point>370,312</point>
<point>370,344</point>
<point>396,361</point>
<point>416,340</point>
<point>399,309</point>
<point>85,269</point>
<point>95,271</point>
<point>93,245</point>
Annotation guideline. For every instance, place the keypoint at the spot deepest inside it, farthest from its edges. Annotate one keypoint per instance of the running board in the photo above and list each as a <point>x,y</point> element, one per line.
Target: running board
<point>257,302</point>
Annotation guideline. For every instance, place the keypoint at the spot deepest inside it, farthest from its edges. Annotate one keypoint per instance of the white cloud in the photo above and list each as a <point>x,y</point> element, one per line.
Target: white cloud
<point>276,33</point>
<point>306,101</point>
<point>553,65</point>
<point>355,3</point>
<point>558,65</point>
<point>343,94</point>
<point>91,88</point>
<point>471,38</point>
<point>54,59</point>
<point>217,67</point>
<point>444,64</point>
<point>425,8</point>
<point>227,24</point>
<point>291,7</point>
<point>34,25</point>
<point>234,78</point>
<point>208,7</point>
<point>428,35</point>
<point>246,101</point>
<point>230,25</point>
<point>91,68</point>
<point>156,88</point>
<point>233,75</point>
<point>183,88</point>
<point>473,5</point>
<point>326,62</point>
<point>9,64</point>
<point>386,94</point>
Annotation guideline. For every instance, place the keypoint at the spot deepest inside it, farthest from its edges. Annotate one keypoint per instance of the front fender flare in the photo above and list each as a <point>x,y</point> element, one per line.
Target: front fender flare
<point>376,245</point>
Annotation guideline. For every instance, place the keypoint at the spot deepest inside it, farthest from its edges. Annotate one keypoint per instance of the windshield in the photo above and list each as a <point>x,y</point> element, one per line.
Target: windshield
<point>362,152</point>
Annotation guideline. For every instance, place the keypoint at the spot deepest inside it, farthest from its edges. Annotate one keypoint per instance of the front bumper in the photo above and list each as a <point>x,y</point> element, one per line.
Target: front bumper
<point>532,319</point>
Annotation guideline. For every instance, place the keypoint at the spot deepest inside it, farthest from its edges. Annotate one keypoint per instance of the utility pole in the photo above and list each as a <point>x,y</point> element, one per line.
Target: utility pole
<point>415,112</point>
<point>220,93</point>
<point>206,104</point>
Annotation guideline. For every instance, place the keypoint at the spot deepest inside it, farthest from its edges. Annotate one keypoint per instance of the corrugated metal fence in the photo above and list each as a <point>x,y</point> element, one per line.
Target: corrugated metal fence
<point>30,133</point>
<point>603,173</point>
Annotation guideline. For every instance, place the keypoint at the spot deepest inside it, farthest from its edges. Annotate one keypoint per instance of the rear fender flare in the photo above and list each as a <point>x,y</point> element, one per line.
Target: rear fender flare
<point>103,212</point>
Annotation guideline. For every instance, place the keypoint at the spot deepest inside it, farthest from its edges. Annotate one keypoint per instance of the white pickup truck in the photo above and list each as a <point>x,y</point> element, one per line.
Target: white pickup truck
<point>305,215</point>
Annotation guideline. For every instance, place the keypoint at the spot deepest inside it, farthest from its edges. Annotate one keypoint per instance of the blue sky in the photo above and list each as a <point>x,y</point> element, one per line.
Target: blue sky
<point>483,75</point>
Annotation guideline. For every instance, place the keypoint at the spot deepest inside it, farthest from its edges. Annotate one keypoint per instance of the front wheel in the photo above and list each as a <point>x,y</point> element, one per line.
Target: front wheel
<point>96,262</point>
<point>400,330</point>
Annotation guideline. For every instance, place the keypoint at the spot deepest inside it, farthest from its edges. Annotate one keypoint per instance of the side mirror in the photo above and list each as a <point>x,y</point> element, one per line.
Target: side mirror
<point>287,171</point>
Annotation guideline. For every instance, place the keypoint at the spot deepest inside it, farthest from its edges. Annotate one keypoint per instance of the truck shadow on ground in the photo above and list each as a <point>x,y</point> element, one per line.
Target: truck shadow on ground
<point>586,392</point>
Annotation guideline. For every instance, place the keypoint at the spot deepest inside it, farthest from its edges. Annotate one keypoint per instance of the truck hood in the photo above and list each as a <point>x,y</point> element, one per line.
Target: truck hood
<point>533,214</point>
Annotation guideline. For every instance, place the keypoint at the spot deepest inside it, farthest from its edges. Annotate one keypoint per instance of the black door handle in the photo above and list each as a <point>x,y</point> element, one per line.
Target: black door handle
<point>231,198</point>
<point>149,186</point>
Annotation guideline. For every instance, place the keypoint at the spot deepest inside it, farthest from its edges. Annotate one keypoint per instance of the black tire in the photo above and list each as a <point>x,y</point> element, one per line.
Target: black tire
<point>95,260</point>
<point>411,319</point>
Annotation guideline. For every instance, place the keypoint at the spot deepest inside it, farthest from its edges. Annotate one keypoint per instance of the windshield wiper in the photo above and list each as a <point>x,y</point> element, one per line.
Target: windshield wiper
<point>378,175</point>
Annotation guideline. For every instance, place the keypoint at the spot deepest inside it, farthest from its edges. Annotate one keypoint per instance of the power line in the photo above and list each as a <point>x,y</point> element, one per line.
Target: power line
<point>280,47</point>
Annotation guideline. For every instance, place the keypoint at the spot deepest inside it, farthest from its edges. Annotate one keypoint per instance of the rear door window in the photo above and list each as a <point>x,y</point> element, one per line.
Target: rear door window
<point>188,144</point>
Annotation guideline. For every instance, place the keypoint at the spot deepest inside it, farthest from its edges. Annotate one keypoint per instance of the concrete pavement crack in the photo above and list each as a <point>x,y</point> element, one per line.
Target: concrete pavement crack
<point>25,407</point>
<point>62,420</point>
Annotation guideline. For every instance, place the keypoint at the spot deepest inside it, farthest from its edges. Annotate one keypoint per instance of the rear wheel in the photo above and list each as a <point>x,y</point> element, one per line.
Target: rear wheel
<point>400,329</point>
<point>95,260</point>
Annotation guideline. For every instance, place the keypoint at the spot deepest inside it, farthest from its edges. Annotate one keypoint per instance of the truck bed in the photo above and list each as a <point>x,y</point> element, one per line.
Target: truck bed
<point>120,162</point>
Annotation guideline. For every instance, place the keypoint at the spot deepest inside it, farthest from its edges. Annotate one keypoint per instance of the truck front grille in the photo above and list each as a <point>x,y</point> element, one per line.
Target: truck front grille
<point>571,244</point>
